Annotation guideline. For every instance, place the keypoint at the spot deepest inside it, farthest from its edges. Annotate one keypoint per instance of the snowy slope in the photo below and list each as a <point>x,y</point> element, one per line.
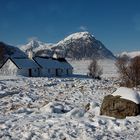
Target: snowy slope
<point>75,36</point>
<point>58,109</point>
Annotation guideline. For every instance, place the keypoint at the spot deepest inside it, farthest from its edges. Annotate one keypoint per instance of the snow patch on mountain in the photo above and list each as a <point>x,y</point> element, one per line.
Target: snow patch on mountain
<point>75,36</point>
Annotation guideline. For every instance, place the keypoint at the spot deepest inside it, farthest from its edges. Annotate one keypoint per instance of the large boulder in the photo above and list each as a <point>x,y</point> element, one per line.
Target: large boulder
<point>118,106</point>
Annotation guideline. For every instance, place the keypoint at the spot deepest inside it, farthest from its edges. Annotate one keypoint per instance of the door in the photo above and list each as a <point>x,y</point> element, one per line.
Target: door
<point>57,73</point>
<point>30,72</point>
<point>67,71</point>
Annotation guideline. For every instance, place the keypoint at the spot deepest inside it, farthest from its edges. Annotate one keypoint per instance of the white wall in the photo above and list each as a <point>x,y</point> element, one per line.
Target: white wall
<point>25,72</point>
<point>70,71</point>
<point>52,72</point>
<point>8,69</point>
<point>35,72</point>
<point>64,72</point>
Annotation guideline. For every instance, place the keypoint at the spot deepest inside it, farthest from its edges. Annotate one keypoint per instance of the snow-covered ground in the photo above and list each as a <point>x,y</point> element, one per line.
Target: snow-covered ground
<point>60,109</point>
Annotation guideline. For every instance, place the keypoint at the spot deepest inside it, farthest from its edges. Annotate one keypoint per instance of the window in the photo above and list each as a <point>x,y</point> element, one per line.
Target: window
<point>67,71</point>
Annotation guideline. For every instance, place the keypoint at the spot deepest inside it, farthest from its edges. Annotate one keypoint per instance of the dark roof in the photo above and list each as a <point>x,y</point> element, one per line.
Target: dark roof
<point>52,62</point>
<point>22,63</point>
<point>60,59</point>
<point>4,62</point>
<point>46,57</point>
<point>39,62</point>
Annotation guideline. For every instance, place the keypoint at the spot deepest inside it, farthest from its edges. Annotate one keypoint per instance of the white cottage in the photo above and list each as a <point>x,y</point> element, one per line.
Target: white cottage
<point>53,67</point>
<point>20,66</point>
<point>35,67</point>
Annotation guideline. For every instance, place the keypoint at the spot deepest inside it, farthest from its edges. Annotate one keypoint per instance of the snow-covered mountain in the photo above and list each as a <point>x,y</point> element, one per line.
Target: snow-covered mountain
<point>130,54</point>
<point>76,46</point>
<point>38,47</point>
<point>83,45</point>
<point>35,45</point>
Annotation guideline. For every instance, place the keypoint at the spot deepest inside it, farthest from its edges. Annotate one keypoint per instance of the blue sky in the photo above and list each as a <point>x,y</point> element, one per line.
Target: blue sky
<point>114,22</point>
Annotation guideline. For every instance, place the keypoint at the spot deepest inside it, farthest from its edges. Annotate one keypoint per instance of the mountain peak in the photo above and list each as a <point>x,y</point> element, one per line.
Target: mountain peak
<point>81,34</point>
<point>78,35</point>
<point>32,44</point>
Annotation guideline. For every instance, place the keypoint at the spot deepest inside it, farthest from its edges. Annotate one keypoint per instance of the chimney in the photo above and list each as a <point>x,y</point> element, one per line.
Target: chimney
<point>59,54</point>
<point>55,55</point>
<point>30,54</point>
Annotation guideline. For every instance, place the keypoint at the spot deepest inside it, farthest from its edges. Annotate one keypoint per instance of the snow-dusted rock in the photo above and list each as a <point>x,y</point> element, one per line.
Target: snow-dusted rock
<point>122,103</point>
<point>76,113</point>
<point>53,108</point>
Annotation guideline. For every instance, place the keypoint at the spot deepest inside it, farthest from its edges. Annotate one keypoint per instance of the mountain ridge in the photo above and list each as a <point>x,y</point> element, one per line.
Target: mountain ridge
<point>75,46</point>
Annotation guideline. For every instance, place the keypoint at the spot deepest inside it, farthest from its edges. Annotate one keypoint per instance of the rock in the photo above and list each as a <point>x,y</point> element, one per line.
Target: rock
<point>87,107</point>
<point>117,107</point>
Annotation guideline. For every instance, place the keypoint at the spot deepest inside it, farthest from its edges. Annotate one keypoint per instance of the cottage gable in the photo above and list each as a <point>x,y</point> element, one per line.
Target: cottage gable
<point>8,68</point>
<point>20,66</point>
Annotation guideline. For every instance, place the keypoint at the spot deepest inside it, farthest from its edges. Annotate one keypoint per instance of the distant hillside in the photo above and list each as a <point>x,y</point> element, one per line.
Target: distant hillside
<point>130,54</point>
<point>9,51</point>
<point>76,46</point>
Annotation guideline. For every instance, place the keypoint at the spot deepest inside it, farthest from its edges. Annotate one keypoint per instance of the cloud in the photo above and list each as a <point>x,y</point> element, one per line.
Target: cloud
<point>32,38</point>
<point>83,28</point>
